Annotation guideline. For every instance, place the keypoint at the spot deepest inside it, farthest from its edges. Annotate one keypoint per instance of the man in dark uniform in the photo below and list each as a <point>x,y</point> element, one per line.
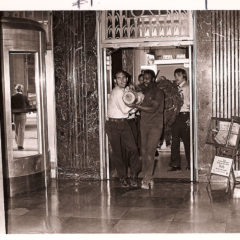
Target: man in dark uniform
<point>19,105</point>
<point>151,125</point>
<point>181,126</point>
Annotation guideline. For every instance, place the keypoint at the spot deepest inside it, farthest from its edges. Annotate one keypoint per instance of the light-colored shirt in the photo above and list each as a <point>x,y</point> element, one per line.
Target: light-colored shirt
<point>132,114</point>
<point>184,91</point>
<point>116,107</point>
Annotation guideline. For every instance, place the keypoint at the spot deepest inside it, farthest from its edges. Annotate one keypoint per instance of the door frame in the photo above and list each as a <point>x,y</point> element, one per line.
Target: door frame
<point>2,202</point>
<point>102,91</point>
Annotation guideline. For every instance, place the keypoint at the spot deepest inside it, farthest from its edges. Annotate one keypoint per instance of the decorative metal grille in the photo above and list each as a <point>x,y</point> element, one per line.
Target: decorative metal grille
<point>147,24</point>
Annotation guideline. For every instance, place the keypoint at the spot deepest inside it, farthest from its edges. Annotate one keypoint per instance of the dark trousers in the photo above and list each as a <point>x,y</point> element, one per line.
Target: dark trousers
<point>150,135</point>
<point>134,124</point>
<point>180,131</point>
<point>122,140</point>
<point>138,120</point>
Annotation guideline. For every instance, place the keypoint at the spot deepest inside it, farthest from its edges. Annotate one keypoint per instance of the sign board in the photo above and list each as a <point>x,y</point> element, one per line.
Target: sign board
<point>222,166</point>
<point>223,132</point>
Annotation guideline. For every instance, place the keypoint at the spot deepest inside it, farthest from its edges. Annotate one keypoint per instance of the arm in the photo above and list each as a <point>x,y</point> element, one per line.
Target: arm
<point>123,107</point>
<point>118,96</point>
<point>155,103</point>
<point>151,108</point>
<point>27,101</point>
<point>12,100</point>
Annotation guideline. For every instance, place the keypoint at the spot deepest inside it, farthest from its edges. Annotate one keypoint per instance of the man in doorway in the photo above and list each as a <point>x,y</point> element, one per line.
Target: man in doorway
<point>151,125</point>
<point>181,126</point>
<point>19,105</point>
<point>120,134</point>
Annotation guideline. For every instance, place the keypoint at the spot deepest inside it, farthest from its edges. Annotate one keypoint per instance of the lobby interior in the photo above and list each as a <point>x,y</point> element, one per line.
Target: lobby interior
<point>62,181</point>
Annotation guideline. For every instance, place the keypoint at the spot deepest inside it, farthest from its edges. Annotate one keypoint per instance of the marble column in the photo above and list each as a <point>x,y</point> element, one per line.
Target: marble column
<point>204,54</point>
<point>75,54</point>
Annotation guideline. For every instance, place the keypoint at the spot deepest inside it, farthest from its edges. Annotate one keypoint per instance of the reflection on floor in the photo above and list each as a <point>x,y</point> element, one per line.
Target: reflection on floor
<point>103,207</point>
<point>30,139</point>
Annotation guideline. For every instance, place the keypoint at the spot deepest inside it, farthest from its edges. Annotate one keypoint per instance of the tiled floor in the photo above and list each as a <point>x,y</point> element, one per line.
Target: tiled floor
<point>103,207</point>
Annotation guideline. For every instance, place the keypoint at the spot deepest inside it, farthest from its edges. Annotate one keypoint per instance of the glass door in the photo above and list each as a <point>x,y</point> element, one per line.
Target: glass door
<point>25,105</point>
<point>24,108</point>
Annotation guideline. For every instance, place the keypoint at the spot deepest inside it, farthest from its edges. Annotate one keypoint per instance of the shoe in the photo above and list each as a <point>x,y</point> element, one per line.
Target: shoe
<point>124,183</point>
<point>145,185</point>
<point>168,143</point>
<point>20,148</point>
<point>171,169</point>
<point>151,184</point>
<point>133,182</point>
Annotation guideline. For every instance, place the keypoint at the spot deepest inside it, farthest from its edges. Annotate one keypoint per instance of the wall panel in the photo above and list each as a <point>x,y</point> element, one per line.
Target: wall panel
<point>217,75</point>
<point>225,51</point>
<point>76,91</point>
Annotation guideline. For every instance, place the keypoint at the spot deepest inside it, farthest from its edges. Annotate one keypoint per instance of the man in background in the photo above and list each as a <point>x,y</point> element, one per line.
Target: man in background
<point>19,105</point>
<point>181,126</point>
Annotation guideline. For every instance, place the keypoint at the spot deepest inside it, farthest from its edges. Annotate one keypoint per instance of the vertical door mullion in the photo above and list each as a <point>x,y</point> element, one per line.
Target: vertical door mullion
<point>105,78</point>
<point>101,101</point>
<point>191,115</point>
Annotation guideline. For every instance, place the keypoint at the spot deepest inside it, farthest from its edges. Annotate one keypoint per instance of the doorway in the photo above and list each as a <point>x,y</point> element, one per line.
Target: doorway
<point>163,60</point>
<point>24,109</point>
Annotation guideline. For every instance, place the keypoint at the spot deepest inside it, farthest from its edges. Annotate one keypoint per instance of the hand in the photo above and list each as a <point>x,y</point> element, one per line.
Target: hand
<point>131,87</point>
<point>140,98</point>
<point>133,105</point>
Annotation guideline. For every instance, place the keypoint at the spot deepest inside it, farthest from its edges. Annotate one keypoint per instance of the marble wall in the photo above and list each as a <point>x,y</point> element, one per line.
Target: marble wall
<point>217,73</point>
<point>128,62</point>
<point>75,54</point>
<point>204,56</point>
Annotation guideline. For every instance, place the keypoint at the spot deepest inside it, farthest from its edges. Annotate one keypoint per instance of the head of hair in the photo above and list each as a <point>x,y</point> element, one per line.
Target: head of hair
<point>181,71</point>
<point>121,71</point>
<point>140,75</point>
<point>150,72</point>
<point>162,78</point>
<point>19,88</point>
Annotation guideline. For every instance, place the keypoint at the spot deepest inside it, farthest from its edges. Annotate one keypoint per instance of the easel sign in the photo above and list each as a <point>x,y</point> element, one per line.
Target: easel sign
<point>222,166</point>
<point>223,132</point>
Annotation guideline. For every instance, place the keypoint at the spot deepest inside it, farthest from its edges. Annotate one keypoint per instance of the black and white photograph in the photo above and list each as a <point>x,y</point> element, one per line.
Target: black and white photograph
<point>120,118</point>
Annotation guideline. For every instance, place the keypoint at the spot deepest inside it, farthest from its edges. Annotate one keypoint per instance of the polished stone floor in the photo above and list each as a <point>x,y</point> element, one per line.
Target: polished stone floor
<point>162,166</point>
<point>103,207</point>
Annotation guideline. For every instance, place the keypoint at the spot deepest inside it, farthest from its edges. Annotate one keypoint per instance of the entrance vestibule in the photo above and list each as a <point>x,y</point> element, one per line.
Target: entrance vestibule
<point>163,60</point>
<point>26,166</point>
